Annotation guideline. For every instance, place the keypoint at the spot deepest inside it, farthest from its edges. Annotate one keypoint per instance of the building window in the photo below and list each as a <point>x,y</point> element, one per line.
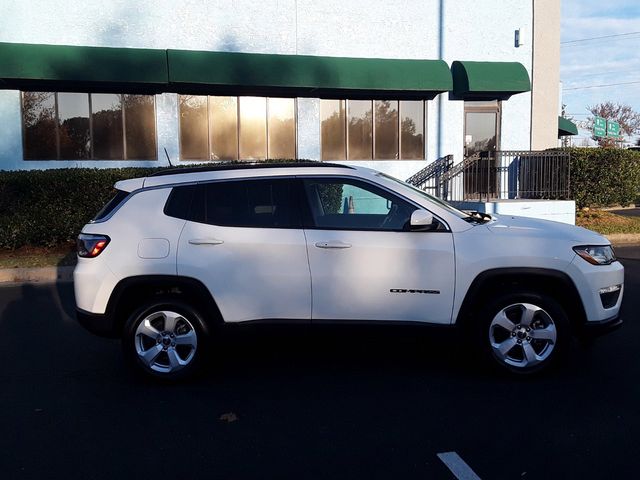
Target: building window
<point>372,129</point>
<point>233,128</point>
<point>82,126</point>
<point>332,129</point>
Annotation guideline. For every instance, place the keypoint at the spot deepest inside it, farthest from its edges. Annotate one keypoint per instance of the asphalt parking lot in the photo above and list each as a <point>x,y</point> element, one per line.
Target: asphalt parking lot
<point>367,403</point>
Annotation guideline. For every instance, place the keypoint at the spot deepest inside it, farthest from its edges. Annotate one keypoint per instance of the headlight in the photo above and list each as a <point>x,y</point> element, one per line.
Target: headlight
<point>596,254</point>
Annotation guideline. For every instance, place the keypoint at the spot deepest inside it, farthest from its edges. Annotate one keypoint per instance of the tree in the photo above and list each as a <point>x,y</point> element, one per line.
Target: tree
<point>626,116</point>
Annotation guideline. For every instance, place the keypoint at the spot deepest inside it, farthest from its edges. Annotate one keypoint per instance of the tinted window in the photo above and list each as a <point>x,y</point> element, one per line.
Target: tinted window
<point>194,127</point>
<point>411,130</point>
<point>179,202</point>
<point>39,118</point>
<point>332,129</point>
<point>73,126</point>
<point>140,127</point>
<point>253,128</point>
<point>360,129</point>
<point>282,128</point>
<point>111,205</point>
<point>386,131</point>
<point>106,112</point>
<point>349,204</point>
<point>249,203</point>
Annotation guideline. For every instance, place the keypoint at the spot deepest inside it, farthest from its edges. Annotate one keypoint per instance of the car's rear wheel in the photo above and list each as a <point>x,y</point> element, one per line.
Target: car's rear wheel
<point>523,332</point>
<point>165,339</point>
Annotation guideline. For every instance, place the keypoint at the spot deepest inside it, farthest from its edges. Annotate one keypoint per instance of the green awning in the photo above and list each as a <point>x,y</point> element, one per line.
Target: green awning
<point>60,67</point>
<point>78,68</point>
<point>566,127</point>
<point>303,75</point>
<point>489,80</point>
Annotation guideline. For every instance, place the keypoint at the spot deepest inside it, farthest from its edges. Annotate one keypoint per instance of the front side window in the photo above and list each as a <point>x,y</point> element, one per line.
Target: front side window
<point>82,126</point>
<point>345,204</point>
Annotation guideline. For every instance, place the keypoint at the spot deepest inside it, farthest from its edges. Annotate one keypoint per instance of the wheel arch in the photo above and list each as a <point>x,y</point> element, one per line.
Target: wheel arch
<point>540,280</point>
<point>130,292</point>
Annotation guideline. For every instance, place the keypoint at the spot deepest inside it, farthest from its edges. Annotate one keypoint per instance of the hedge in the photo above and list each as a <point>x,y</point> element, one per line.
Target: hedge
<point>48,208</point>
<point>603,177</point>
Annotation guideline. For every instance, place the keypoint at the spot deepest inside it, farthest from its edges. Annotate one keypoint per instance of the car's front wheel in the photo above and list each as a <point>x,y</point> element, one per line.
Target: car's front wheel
<point>524,332</point>
<point>164,339</point>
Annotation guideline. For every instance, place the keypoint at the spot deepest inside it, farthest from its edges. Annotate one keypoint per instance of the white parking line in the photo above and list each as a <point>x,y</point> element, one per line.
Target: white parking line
<point>458,467</point>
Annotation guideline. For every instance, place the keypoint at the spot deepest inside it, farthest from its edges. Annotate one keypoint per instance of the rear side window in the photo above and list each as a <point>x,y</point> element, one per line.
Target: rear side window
<point>250,203</point>
<point>117,199</point>
<point>179,202</point>
<point>246,203</point>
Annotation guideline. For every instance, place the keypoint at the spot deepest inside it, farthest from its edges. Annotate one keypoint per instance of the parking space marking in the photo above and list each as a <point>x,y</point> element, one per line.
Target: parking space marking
<point>458,466</point>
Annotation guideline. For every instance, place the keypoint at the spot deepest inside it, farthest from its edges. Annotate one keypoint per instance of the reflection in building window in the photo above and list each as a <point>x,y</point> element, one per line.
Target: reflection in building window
<point>282,128</point>
<point>378,129</point>
<point>107,126</point>
<point>82,126</point>
<point>253,128</point>
<point>140,127</point>
<point>73,118</point>
<point>194,127</point>
<point>39,120</point>
<point>386,132</point>
<point>232,128</point>
<point>223,127</point>
<point>332,129</point>
<point>412,130</point>
<point>360,130</point>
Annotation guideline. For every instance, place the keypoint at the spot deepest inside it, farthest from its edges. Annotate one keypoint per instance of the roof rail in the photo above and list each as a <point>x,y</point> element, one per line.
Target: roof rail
<point>236,165</point>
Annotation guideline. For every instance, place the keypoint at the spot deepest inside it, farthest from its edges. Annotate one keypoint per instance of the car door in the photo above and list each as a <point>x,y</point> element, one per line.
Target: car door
<point>244,241</point>
<point>365,263</point>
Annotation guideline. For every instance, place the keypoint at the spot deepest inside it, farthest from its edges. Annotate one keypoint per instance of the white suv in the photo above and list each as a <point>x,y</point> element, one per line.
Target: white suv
<point>177,254</point>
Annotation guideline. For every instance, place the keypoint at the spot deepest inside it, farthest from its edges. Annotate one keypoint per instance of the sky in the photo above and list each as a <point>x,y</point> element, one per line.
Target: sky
<point>600,61</point>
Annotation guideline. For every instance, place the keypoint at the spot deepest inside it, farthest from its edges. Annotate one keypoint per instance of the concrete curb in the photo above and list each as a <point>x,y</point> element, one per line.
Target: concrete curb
<point>626,239</point>
<point>36,275</point>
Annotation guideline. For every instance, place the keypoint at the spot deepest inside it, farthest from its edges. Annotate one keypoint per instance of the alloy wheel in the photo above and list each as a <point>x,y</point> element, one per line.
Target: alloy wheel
<point>166,341</point>
<point>522,335</point>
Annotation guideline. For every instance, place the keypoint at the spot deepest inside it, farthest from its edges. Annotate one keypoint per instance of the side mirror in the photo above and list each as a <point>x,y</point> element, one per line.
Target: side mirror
<point>421,221</point>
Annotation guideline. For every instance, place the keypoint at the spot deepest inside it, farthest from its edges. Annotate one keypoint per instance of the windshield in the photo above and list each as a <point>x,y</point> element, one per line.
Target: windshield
<point>431,198</point>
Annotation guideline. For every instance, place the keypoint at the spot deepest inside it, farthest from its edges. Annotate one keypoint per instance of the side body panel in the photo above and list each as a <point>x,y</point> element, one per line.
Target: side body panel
<point>253,273</point>
<point>403,276</point>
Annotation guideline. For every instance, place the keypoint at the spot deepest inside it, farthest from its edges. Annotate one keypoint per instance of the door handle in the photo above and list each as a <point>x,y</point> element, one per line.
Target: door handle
<point>205,241</point>
<point>333,245</point>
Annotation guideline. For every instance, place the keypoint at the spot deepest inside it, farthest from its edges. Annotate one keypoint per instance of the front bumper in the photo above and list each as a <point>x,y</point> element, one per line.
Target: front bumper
<point>97,323</point>
<point>601,327</point>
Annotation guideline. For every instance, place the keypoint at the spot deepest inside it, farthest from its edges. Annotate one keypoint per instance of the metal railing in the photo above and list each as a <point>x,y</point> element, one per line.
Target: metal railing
<point>499,175</point>
<point>429,178</point>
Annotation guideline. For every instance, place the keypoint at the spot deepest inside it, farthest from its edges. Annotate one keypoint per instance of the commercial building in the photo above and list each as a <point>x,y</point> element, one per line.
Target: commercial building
<point>392,84</point>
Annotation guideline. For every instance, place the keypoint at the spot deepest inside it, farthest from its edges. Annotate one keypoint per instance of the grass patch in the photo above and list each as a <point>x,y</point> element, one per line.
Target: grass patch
<point>36,257</point>
<point>607,223</point>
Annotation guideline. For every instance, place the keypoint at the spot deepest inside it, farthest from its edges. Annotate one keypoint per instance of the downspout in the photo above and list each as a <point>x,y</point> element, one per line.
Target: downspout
<point>533,60</point>
<point>441,96</point>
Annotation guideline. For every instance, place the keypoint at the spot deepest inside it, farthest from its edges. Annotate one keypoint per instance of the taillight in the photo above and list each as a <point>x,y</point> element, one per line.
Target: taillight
<point>90,245</point>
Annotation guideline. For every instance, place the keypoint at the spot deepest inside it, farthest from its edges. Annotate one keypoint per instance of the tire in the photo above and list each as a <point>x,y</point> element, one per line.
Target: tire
<point>165,339</point>
<point>522,332</point>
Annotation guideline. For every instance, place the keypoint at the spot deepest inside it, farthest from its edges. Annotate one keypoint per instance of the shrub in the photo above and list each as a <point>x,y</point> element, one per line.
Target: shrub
<point>604,176</point>
<point>49,207</point>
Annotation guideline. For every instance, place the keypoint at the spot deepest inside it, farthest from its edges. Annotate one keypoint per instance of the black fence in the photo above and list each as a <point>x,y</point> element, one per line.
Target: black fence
<point>499,175</point>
